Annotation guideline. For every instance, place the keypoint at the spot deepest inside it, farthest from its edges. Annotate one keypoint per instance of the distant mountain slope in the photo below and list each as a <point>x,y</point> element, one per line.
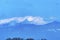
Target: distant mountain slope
<point>30,30</point>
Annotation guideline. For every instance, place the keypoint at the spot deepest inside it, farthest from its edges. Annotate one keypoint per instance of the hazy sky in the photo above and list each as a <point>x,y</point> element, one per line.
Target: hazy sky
<point>44,8</point>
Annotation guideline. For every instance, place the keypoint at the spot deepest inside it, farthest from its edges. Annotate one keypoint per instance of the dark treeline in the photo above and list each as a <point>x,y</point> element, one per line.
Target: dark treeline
<point>23,39</point>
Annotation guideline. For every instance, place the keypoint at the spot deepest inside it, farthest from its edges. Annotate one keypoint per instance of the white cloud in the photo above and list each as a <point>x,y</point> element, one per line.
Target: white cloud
<point>53,18</point>
<point>58,29</point>
<point>32,19</point>
<point>52,30</point>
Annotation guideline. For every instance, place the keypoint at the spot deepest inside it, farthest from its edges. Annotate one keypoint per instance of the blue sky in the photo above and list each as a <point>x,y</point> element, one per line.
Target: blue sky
<point>44,8</point>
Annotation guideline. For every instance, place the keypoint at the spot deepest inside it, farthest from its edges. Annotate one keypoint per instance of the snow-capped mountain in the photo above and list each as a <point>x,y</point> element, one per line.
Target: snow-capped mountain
<point>26,20</point>
<point>27,27</point>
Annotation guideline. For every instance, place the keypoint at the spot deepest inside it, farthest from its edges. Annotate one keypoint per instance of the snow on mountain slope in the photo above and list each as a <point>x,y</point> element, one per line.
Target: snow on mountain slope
<point>29,26</point>
<point>26,19</point>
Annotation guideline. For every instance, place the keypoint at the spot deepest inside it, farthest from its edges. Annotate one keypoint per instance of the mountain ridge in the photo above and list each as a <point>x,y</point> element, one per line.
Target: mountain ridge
<point>53,24</point>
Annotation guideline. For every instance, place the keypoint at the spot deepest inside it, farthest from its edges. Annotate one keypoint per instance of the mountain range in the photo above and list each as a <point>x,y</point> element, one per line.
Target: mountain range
<point>49,31</point>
